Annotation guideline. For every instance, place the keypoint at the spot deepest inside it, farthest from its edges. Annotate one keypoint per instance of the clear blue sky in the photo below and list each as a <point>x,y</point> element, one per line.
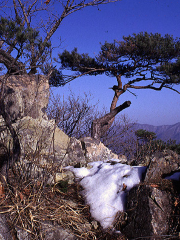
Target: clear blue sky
<point>87,28</point>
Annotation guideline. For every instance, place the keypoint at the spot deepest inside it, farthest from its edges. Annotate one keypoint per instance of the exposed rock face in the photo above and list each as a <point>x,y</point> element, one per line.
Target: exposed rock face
<point>162,164</point>
<point>40,138</point>
<point>5,231</point>
<point>149,210</point>
<point>26,96</point>
<point>45,147</point>
<point>75,154</point>
<point>55,232</point>
<point>96,151</point>
<point>151,205</point>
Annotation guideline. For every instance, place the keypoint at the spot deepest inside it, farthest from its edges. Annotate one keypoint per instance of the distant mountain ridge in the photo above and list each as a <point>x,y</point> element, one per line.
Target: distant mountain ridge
<point>164,132</point>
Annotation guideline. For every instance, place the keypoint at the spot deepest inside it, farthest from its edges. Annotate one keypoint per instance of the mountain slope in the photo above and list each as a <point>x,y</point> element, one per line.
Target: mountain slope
<point>164,132</point>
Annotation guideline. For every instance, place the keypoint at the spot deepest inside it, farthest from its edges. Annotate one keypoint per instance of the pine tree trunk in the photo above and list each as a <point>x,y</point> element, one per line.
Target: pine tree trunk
<point>100,126</point>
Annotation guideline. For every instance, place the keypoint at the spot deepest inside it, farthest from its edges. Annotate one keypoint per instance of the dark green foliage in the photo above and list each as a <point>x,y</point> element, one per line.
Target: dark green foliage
<point>171,144</point>
<point>150,48</point>
<point>56,79</point>
<point>25,43</point>
<point>139,56</point>
<point>145,135</point>
<point>63,186</point>
<point>79,62</point>
<point>147,144</point>
<point>172,70</point>
<point>25,35</point>
<point>16,35</point>
<point>11,31</point>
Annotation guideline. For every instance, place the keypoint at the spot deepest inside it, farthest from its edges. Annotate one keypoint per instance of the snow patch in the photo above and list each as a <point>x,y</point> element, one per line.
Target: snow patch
<point>105,187</point>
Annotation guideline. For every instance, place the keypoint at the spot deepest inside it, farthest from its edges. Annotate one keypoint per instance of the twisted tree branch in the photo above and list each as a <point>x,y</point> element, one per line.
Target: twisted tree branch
<point>101,125</point>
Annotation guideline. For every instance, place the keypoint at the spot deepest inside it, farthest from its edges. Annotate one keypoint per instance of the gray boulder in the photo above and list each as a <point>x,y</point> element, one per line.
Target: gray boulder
<point>152,204</point>
<point>96,151</point>
<point>26,95</point>
<point>162,164</point>
<point>149,210</point>
<point>4,229</point>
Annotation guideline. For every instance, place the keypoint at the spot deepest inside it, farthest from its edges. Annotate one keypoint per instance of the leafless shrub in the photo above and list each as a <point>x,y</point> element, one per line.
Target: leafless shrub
<point>120,137</point>
<point>73,115</point>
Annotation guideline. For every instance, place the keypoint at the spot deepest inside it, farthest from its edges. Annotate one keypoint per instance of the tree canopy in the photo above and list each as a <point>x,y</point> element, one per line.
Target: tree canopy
<point>26,30</point>
<point>145,135</point>
<point>145,60</point>
<point>140,57</point>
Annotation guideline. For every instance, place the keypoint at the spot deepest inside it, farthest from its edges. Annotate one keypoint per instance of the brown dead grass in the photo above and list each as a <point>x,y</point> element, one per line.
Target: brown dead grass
<point>30,203</point>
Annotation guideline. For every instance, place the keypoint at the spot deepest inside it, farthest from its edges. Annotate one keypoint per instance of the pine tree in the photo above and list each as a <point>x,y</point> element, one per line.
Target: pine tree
<point>146,61</point>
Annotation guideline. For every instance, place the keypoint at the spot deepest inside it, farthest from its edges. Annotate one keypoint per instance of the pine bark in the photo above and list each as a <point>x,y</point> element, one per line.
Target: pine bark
<point>100,126</point>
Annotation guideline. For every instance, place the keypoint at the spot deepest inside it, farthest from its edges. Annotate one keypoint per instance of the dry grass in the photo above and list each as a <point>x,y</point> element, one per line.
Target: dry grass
<point>31,203</point>
<point>32,206</point>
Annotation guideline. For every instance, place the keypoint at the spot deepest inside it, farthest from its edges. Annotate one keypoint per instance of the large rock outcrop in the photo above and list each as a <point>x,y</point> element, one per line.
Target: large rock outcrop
<point>43,145</point>
<point>45,149</point>
<point>149,210</point>
<point>151,206</point>
<point>162,164</point>
<point>26,95</point>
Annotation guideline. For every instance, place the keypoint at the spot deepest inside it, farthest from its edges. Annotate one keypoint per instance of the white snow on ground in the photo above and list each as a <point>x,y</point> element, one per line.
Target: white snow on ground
<point>105,186</point>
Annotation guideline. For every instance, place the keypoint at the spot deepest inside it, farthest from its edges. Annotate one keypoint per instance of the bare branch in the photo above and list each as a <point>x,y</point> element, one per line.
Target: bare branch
<point>30,7</point>
<point>101,125</point>
<point>11,63</point>
<point>148,87</point>
<point>68,9</point>
<point>172,89</point>
<point>69,78</point>
<point>24,13</point>
<point>16,11</point>
<point>163,85</point>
